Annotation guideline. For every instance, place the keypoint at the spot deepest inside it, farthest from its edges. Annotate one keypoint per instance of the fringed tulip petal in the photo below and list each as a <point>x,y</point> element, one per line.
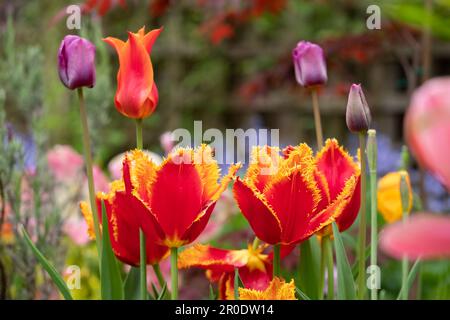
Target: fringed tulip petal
<point>337,166</point>
<point>258,212</point>
<point>294,198</point>
<point>176,181</point>
<point>278,289</point>
<point>264,164</point>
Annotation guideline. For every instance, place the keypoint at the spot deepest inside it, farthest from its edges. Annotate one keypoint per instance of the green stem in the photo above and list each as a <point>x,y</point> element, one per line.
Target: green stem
<point>160,278</point>
<point>158,274</point>
<point>405,202</point>
<point>255,243</point>
<point>276,260</point>
<point>142,247</point>
<point>362,221</point>
<point>143,265</point>
<point>139,143</point>
<point>89,172</point>
<point>372,161</point>
<point>236,284</point>
<point>174,272</point>
<point>330,266</point>
<point>323,260</point>
<point>317,120</point>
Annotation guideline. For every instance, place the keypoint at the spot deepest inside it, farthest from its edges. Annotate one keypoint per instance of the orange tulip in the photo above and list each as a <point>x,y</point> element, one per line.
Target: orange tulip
<point>288,199</point>
<point>137,94</point>
<point>255,268</point>
<point>278,289</point>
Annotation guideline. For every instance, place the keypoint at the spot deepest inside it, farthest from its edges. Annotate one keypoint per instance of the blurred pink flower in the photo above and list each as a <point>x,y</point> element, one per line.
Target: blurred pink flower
<point>76,228</point>
<point>116,164</point>
<point>66,165</point>
<point>427,127</point>
<point>167,141</point>
<point>64,162</point>
<point>424,236</point>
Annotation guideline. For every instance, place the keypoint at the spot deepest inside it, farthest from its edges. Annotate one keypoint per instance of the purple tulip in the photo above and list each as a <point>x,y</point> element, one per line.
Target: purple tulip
<point>357,116</point>
<point>76,62</point>
<point>309,64</point>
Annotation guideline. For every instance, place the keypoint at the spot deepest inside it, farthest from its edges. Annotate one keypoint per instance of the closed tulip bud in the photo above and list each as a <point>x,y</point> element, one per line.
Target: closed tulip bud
<point>309,64</point>
<point>358,116</point>
<point>76,62</point>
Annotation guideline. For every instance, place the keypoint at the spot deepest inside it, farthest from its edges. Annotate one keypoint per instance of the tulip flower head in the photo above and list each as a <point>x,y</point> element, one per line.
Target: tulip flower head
<point>76,62</point>
<point>278,289</point>
<point>389,196</point>
<point>255,268</point>
<point>171,202</point>
<point>309,64</point>
<point>301,194</point>
<point>357,116</point>
<point>427,127</point>
<point>137,95</point>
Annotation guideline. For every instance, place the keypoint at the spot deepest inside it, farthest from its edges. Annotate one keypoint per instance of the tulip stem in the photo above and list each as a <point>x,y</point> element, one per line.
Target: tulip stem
<point>323,258</point>
<point>143,265</point>
<point>160,278</point>
<point>328,252</point>
<point>317,121</point>
<point>276,260</point>
<point>255,244</point>
<point>236,284</point>
<point>142,249</point>
<point>174,272</point>
<point>89,172</point>
<point>404,193</point>
<point>139,143</point>
<point>362,221</point>
<point>372,161</point>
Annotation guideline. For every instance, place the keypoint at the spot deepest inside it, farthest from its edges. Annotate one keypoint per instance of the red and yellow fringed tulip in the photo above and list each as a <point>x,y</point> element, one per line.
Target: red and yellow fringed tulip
<point>137,94</point>
<point>278,289</point>
<point>171,202</point>
<point>286,199</point>
<point>255,268</point>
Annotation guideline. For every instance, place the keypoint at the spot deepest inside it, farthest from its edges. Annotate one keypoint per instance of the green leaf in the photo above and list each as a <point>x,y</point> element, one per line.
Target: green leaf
<point>309,268</point>
<point>54,275</point>
<point>212,294</point>
<point>163,291</point>
<point>111,280</point>
<point>355,267</point>
<point>131,285</point>
<point>346,284</point>
<point>301,294</point>
<point>411,276</point>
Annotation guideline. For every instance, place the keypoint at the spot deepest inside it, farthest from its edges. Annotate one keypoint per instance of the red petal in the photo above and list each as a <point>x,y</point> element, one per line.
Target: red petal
<point>336,165</point>
<point>424,236</point>
<point>198,225</point>
<point>294,199</point>
<point>129,215</point>
<point>349,214</point>
<point>176,198</point>
<point>258,213</point>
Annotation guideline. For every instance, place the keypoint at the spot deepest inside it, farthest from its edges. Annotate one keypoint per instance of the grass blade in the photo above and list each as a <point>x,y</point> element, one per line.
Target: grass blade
<point>54,275</point>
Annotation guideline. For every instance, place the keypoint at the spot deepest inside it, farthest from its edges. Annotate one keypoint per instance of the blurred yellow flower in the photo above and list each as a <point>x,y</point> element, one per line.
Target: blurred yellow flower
<point>278,289</point>
<point>389,196</point>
